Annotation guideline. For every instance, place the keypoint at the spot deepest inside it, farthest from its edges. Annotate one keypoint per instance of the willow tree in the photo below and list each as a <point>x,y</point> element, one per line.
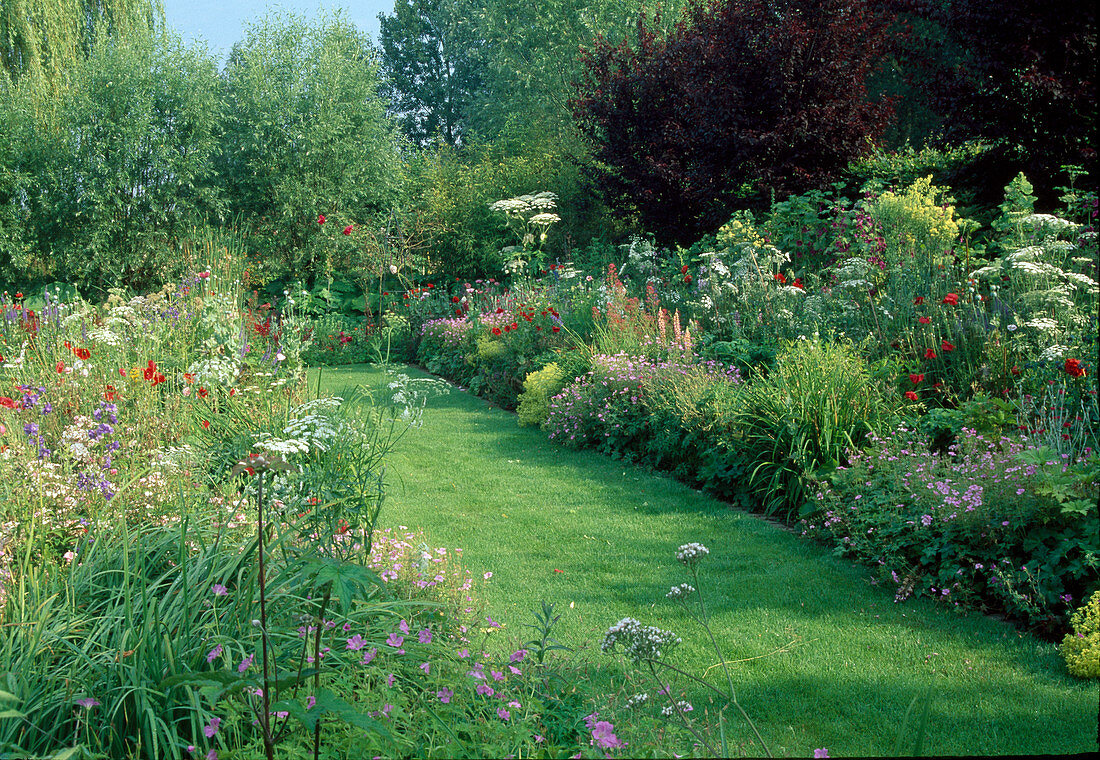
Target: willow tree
<point>42,39</point>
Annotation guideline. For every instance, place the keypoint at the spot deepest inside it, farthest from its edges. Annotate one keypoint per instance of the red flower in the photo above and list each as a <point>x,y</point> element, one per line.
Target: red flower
<point>929,354</point>
<point>82,353</point>
<point>188,377</point>
<point>779,276</point>
<point>60,367</point>
<point>458,312</point>
<point>918,300</point>
<point>687,278</point>
<point>110,394</point>
<point>19,296</point>
<point>911,396</point>
<point>342,526</point>
<point>499,310</point>
<point>206,423</point>
<point>684,269</point>
<point>797,283</point>
<point>558,571</point>
<point>6,402</point>
<point>158,378</point>
<point>555,328</point>
<point>150,370</point>
<point>320,219</point>
<point>1015,370</point>
<point>946,346</point>
<point>951,299</point>
<point>515,326</point>
<point>923,320</point>
<point>1074,369</point>
<point>203,393</point>
<point>347,230</point>
<point>496,331</point>
<point>915,379</point>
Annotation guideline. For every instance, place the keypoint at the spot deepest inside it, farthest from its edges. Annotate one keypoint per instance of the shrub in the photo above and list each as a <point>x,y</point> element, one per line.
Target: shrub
<point>1081,646</point>
<point>538,388</point>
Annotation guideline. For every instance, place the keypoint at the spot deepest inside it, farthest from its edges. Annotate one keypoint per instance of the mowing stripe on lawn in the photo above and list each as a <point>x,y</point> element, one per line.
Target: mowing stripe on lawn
<point>824,658</point>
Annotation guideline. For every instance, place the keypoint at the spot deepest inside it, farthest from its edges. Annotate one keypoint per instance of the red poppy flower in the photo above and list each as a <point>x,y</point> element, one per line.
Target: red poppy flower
<point>924,320</point>
<point>515,326</point>
<point>158,378</point>
<point>203,393</point>
<point>150,370</point>
<point>320,219</point>
<point>507,328</point>
<point>779,276</point>
<point>188,378</point>
<point>929,354</point>
<point>797,283</point>
<point>1074,369</point>
<point>946,346</point>
<point>347,230</point>
<point>60,367</point>
<point>951,299</point>
<point>911,396</point>
<point>458,312</point>
<point>496,331</point>
<point>206,423</point>
<point>82,353</point>
<point>684,269</point>
<point>19,295</point>
<point>6,402</point>
<point>110,394</point>
<point>915,379</point>
<point>687,278</point>
<point>342,526</point>
<point>499,310</point>
<point>918,300</point>
<point>555,328</point>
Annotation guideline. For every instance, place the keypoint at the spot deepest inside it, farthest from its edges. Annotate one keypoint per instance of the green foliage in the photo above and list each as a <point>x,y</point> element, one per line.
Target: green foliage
<point>538,387</point>
<point>918,224</point>
<point>305,135</point>
<point>1081,646</point>
<point>799,422</point>
<point>97,190</point>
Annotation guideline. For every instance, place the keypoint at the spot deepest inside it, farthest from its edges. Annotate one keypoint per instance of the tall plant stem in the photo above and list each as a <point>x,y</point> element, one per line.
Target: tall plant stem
<point>320,621</point>
<point>265,718</point>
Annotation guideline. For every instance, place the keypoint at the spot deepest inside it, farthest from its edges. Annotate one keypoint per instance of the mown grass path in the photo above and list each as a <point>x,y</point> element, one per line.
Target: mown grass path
<point>851,659</point>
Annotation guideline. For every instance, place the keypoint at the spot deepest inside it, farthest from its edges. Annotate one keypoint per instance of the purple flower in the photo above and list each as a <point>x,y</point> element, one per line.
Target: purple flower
<point>214,654</point>
<point>404,627</point>
<point>603,736</point>
<point>246,663</point>
<point>426,667</point>
<point>356,642</point>
<point>395,641</point>
<point>218,590</point>
<point>485,689</point>
<point>445,695</point>
<point>518,655</point>
<point>821,752</point>
<point>211,728</point>
<point>88,702</point>
<point>368,656</point>
<point>311,702</point>
<point>503,714</point>
<point>389,680</point>
<point>425,636</point>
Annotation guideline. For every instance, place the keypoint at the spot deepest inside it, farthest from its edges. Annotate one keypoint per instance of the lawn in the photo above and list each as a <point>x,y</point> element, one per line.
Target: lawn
<point>823,658</point>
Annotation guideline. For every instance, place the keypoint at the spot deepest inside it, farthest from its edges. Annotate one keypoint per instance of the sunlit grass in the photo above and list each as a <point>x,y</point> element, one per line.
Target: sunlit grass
<point>825,659</point>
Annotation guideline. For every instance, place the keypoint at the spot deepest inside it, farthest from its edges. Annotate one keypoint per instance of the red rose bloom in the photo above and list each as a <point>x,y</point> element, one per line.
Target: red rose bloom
<point>951,299</point>
<point>911,396</point>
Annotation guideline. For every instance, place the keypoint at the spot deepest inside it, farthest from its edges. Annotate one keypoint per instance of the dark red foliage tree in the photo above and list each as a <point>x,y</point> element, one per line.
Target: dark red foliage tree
<point>1022,72</point>
<point>741,98</point>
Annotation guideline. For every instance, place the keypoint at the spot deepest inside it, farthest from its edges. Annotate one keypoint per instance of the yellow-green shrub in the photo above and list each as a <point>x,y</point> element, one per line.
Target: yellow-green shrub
<point>1081,647</point>
<point>918,222</point>
<point>538,389</point>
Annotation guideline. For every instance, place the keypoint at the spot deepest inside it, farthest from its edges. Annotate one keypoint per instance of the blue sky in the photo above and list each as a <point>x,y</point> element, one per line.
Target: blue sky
<point>222,22</point>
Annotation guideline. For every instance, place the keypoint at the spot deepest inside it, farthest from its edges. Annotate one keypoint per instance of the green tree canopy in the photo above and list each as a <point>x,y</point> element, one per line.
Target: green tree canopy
<point>305,133</point>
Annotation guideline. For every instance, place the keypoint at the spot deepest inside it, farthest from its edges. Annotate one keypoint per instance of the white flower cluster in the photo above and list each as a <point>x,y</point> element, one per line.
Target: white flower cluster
<point>1048,222</point>
<point>637,699</point>
<point>680,592</point>
<point>690,554</point>
<point>217,370</point>
<point>679,707</point>
<point>314,427</point>
<point>525,204</point>
<point>544,219</point>
<point>640,642</point>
